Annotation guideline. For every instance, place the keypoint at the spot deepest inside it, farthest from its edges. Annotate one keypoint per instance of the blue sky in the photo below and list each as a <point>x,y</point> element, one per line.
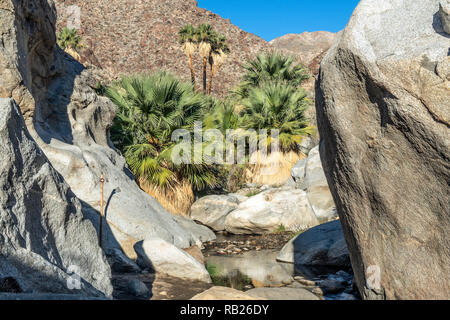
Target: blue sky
<point>270,19</point>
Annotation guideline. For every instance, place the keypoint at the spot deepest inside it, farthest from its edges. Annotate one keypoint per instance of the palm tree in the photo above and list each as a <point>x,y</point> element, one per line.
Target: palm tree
<point>218,56</point>
<point>70,42</point>
<point>281,106</point>
<point>205,36</point>
<point>278,106</point>
<point>188,41</point>
<point>272,66</point>
<point>149,109</point>
<point>69,39</point>
<point>222,116</point>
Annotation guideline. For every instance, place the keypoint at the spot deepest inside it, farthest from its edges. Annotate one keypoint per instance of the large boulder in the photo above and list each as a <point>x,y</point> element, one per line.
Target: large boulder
<point>444,12</point>
<point>298,170</point>
<point>321,246</point>
<point>198,232</point>
<point>46,244</point>
<point>271,210</point>
<point>383,107</point>
<point>70,123</point>
<point>212,210</point>
<point>163,257</point>
<point>282,294</point>
<point>311,178</point>
<point>223,293</point>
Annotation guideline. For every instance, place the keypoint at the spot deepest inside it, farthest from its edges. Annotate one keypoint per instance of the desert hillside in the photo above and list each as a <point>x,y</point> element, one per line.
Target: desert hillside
<point>140,36</point>
<point>310,47</point>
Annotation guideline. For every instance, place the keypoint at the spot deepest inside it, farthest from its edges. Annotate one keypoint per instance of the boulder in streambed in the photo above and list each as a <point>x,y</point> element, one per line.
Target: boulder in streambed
<point>268,211</point>
<point>224,293</point>
<point>163,257</point>
<point>282,294</point>
<point>310,177</point>
<point>322,246</point>
<point>212,210</point>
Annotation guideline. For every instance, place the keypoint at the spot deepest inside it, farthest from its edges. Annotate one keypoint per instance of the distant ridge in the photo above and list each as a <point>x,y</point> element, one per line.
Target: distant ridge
<point>310,47</point>
<point>140,36</point>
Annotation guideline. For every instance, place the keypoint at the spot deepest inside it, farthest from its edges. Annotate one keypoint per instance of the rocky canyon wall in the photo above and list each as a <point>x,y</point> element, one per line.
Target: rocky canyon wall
<point>383,108</point>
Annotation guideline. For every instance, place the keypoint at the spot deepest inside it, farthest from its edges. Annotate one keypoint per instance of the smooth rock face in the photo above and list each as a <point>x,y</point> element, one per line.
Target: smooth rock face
<point>212,210</point>
<point>316,186</point>
<point>44,236</point>
<point>70,123</point>
<point>383,109</point>
<point>271,209</point>
<point>444,13</point>
<point>223,293</point>
<point>197,232</point>
<point>163,257</point>
<point>196,253</point>
<point>298,171</point>
<point>282,294</point>
<point>309,176</point>
<point>323,245</point>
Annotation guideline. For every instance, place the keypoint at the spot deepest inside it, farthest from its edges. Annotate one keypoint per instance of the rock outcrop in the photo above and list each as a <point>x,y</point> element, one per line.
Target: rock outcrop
<point>271,210</point>
<point>224,293</point>
<point>444,12</point>
<point>213,210</point>
<point>163,257</point>
<point>282,294</point>
<point>45,240</point>
<point>322,246</point>
<point>383,107</point>
<point>308,175</point>
<point>70,123</point>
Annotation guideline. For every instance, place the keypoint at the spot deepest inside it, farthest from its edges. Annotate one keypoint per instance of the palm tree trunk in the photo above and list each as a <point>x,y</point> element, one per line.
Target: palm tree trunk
<point>205,63</point>
<point>211,75</point>
<point>191,66</point>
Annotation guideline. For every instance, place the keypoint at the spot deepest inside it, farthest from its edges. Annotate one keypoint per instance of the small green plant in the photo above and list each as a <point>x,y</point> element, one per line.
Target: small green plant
<point>281,229</point>
<point>100,89</point>
<point>69,39</point>
<point>212,269</point>
<point>253,193</point>
<point>235,280</point>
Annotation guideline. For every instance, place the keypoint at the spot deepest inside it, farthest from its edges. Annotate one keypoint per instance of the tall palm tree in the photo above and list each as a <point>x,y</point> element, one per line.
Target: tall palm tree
<point>218,56</point>
<point>272,66</point>
<point>149,109</point>
<point>205,36</point>
<point>188,42</point>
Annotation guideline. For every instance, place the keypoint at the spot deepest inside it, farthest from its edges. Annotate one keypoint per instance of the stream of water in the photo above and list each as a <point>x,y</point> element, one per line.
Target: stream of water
<point>259,267</point>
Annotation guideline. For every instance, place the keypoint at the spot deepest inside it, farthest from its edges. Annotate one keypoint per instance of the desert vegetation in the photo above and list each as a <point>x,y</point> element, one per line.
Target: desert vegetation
<point>151,107</point>
<point>211,46</point>
<point>70,41</point>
